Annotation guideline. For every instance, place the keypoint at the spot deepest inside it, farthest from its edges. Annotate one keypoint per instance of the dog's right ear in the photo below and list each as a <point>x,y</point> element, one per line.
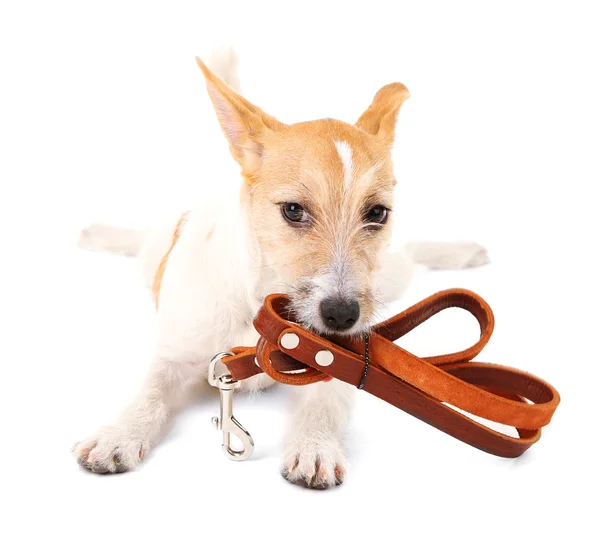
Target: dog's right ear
<point>243,123</point>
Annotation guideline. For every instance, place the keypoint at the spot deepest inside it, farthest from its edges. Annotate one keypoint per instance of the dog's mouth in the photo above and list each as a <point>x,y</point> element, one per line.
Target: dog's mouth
<point>308,314</point>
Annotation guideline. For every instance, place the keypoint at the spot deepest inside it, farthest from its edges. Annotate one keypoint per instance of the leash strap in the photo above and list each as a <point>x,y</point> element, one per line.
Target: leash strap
<point>430,388</point>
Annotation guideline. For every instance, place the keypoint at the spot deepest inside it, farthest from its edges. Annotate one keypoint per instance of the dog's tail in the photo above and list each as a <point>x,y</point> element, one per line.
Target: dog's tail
<point>223,61</point>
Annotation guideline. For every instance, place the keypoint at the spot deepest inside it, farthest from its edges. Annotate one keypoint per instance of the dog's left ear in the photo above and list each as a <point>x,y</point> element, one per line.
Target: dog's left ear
<point>243,123</point>
<point>380,117</point>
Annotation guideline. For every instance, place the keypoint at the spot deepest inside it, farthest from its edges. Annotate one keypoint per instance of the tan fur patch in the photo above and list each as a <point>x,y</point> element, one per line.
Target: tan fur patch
<point>158,277</point>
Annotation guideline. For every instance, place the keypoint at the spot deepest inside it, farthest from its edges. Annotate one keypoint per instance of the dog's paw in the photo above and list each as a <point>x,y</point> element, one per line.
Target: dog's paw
<point>315,465</point>
<point>448,255</point>
<point>457,255</point>
<point>110,451</point>
<point>475,255</point>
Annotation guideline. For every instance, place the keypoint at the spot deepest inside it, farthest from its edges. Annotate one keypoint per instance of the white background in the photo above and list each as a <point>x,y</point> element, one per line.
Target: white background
<point>104,117</point>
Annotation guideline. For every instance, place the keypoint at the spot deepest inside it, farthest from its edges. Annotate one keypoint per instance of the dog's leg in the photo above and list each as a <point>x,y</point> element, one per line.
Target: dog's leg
<point>121,446</point>
<point>117,240</point>
<point>447,255</point>
<point>314,456</point>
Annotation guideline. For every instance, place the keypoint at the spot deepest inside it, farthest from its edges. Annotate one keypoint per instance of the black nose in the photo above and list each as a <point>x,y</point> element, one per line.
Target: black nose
<point>338,314</point>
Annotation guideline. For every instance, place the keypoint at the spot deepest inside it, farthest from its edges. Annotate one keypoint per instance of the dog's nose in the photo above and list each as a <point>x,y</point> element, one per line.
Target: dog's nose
<point>339,315</point>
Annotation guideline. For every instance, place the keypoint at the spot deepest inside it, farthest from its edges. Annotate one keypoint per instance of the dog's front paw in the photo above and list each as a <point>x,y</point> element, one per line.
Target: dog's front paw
<point>110,451</point>
<point>314,464</point>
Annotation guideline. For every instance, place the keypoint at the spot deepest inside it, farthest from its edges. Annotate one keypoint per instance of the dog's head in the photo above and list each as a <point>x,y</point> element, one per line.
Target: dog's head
<point>319,198</point>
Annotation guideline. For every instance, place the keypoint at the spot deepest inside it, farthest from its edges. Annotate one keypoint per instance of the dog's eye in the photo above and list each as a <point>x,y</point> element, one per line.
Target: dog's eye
<point>294,213</point>
<point>377,215</point>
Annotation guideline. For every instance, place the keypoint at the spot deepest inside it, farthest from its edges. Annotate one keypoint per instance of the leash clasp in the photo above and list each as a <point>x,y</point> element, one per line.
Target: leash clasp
<point>226,421</point>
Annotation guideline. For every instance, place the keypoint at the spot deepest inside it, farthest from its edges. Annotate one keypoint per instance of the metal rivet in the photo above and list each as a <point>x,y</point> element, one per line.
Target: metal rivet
<point>290,341</point>
<point>324,357</point>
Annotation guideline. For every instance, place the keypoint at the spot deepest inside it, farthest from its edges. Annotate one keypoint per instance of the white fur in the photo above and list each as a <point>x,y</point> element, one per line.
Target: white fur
<point>224,63</point>
<point>345,153</point>
<point>116,240</point>
<point>456,255</point>
<point>314,454</point>
<point>214,283</point>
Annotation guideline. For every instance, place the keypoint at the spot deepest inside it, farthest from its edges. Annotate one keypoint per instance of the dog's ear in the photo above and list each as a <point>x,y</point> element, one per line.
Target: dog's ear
<point>243,123</point>
<point>380,117</point>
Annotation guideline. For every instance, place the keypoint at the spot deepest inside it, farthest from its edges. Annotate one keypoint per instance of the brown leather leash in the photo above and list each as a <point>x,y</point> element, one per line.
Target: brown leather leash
<point>429,388</point>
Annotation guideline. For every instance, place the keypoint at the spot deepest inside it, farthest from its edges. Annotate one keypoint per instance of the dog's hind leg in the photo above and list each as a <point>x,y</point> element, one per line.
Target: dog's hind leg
<point>396,272</point>
<point>107,238</point>
<point>447,255</point>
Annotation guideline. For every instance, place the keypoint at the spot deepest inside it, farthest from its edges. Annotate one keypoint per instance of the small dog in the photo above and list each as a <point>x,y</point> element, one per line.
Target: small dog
<point>313,220</point>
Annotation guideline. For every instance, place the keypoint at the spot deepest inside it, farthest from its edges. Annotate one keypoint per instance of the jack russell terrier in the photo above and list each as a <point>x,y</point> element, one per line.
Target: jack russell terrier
<point>313,220</point>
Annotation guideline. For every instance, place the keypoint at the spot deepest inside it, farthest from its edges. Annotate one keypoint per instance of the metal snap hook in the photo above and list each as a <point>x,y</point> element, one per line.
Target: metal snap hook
<point>226,422</point>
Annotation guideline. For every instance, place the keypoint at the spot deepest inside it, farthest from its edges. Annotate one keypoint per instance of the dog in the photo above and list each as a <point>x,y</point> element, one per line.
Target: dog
<point>313,220</point>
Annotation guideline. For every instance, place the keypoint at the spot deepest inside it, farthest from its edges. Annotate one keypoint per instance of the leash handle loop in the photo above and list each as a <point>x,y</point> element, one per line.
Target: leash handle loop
<point>429,388</point>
